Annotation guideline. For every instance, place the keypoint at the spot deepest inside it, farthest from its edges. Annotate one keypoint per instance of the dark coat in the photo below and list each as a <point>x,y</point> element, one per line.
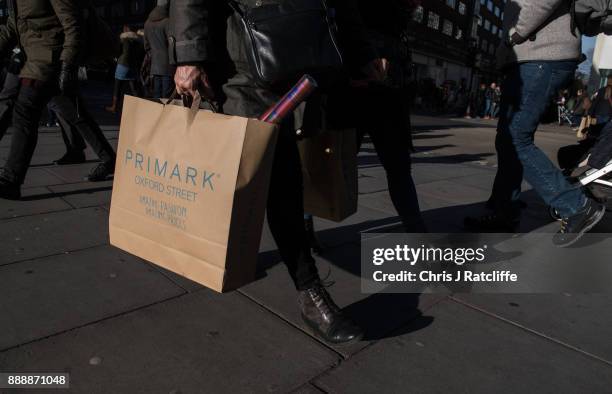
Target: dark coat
<point>132,50</point>
<point>156,41</point>
<point>198,31</point>
<point>49,31</point>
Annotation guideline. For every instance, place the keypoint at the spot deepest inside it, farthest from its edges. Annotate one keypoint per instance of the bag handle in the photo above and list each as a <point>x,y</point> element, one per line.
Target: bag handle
<point>195,102</point>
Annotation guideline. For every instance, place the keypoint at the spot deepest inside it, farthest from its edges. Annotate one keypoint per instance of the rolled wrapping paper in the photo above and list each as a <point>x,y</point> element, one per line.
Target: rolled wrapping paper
<point>290,101</point>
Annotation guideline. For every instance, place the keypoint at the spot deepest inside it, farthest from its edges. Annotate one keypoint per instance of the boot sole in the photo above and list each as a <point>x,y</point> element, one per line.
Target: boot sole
<point>320,337</point>
<point>600,215</point>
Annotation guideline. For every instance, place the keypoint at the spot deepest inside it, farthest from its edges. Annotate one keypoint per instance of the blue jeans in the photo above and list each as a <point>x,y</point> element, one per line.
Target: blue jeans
<point>526,93</point>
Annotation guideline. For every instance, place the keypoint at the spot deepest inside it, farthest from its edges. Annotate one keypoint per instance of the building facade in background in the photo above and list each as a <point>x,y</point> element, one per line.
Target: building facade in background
<point>455,40</point>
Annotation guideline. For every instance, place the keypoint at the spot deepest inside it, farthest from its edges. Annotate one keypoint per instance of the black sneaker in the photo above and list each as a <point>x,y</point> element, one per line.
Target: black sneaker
<point>574,227</point>
<point>9,190</point>
<point>491,223</point>
<point>101,172</point>
<point>74,157</point>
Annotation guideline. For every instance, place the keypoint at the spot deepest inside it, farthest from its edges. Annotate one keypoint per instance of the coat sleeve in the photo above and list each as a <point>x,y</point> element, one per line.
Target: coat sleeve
<point>147,31</point>
<point>534,14</point>
<point>68,13</point>
<point>189,31</point>
<point>353,34</point>
<point>8,36</point>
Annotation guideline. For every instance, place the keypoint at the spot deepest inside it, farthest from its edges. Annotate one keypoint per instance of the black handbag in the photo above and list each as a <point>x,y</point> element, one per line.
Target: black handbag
<point>286,40</point>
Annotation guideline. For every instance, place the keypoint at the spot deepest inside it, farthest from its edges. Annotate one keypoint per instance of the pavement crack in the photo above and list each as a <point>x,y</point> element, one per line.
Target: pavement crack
<point>92,323</point>
<point>531,331</point>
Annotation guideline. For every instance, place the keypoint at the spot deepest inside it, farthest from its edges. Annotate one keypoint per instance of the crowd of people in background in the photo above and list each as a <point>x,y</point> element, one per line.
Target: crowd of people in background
<point>455,99</point>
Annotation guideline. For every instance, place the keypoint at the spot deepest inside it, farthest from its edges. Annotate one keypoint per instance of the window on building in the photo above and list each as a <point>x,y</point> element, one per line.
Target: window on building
<point>494,29</point>
<point>475,29</point>
<point>487,25</point>
<point>137,7</point>
<point>459,34</point>
<point>451,3</point>
<point>484,45</point>
<point>500,33</point>
<point>497,11</point>
<point>418,14</point>
<point>490,5</point>
<point>433,20</point>
<point>447,27</point>
<point>462,8</point>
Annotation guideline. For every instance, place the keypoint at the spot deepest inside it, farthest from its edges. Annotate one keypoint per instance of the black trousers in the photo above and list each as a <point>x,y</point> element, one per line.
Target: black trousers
<point>384,115</point>
<point>285,207</point>
<point>29,104</point>
<point>8,95</point>
<point>601,153</point>
<point>72,113</point>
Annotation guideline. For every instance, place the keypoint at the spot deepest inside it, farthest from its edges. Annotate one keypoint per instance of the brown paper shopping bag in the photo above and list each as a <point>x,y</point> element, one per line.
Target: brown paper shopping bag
<point>329,166</point>
<point>190,190</point>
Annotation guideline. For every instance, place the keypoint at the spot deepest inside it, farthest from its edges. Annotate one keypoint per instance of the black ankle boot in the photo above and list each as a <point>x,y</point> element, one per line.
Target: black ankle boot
<point>313,240</point>
<point>325,318</point>
<point>9,190</point>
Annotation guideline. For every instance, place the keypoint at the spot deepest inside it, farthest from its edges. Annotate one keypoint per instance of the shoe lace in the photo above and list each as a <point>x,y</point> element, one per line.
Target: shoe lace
<point>564,224</point>
<point>321,297</point>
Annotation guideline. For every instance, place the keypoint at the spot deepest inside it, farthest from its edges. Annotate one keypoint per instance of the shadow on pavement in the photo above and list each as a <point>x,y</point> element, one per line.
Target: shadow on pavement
<point>387,315</point>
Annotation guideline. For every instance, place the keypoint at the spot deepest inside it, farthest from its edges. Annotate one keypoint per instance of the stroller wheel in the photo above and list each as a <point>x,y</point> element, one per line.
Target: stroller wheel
<point>554,214</point>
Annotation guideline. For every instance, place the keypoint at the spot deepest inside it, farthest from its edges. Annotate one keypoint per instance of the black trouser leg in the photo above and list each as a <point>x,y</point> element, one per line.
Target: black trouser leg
<point>72,139</point>
<point>509,177</point>
<point>602,151</point>
<point>26,115</point>
<point>385,119</point>
<point>8,95</point>
<point>286,212</point>
<point>133,88</point>
<point>286,194</point>
<point>6,112</point>
<point>82,121</point>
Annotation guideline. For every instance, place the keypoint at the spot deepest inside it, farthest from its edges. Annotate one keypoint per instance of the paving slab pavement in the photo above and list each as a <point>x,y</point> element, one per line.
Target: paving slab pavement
<point>577,320</point>
<point>50,295</point>
<point>197,343</point>
<point>464,351</point>
<point>129,326</point>
<point>52,233</point>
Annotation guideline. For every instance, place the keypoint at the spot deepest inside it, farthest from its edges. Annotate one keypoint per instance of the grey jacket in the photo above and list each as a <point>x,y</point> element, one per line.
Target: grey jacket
<point>156,41</point>
<point>546,26</point>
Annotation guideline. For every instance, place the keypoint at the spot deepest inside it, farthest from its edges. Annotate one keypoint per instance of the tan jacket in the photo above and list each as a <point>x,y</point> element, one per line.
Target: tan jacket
<point>48,31</point>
